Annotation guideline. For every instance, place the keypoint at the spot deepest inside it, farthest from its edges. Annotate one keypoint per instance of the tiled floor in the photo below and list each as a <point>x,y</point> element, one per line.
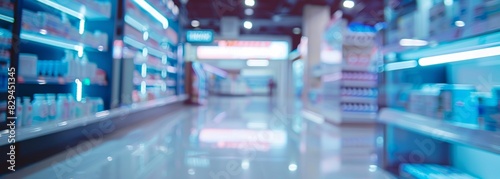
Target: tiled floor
<point>231,137</point>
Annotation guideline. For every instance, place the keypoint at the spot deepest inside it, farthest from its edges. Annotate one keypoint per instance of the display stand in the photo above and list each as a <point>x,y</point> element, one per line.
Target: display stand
<point>151,67</point>
<point>359,90</point>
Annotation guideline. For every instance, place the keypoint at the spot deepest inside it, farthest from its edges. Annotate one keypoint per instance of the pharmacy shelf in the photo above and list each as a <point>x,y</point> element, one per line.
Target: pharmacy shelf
<point>358,83</point>
<point>58,126</point>
<point>54,80</point>
<point>74,7</point>
<point>443,130</point>
<point>355,99</point>
<point>58,41</point>
<point>6,15</point>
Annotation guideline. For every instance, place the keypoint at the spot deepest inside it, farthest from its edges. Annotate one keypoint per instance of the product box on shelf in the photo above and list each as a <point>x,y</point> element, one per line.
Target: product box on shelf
<point>7,5</point>
<point>406,26</point>
<point>438,21</point>
<point>458,104</point>
<point>424,103</point>
<point>4,54</point>
<point>31,21</point>
<point>5,38</point>
<point>427,171</point>
<point>54,25</point>
<point>28,65</point>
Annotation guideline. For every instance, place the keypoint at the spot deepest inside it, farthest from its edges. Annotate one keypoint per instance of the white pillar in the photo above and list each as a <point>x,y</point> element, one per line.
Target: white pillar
<point>315,21</point>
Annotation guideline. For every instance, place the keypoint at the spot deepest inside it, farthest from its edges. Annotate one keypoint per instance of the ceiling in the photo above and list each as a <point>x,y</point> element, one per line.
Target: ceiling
<point>273,17</point>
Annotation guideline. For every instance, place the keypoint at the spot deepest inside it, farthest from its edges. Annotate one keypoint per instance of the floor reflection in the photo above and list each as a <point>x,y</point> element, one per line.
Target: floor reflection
<point>230,137</point>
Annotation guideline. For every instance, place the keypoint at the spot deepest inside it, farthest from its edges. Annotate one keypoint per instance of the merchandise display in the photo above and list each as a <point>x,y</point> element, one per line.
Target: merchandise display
<point>359,78</point>
<point>154,55</point>
<point>447,101</point>
<point>65,68</point>
<point>416,171</point>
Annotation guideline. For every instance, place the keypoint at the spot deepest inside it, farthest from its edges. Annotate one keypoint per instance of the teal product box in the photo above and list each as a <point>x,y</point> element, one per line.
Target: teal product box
<point>431,171</point>
<point>458,104</point>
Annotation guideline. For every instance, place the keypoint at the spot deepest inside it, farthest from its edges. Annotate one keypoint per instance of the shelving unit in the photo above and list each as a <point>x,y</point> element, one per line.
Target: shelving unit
<point>358,101</point>
<point>60,42</point>
<point>152,51</point>
<point>488,140</point>
<point>58,126</point>
<point>57,80</point>
<point>469,144</point>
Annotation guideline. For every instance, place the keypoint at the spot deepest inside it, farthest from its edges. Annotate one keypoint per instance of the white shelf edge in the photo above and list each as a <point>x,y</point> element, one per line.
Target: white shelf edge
<point>357,83</point>
<point>442,130</point>
<point>57,41</point>
<point>6,15</point>
<point>54,127</point>
<point>139,45</point>
<point>354,99</point>
<point>72,8</point>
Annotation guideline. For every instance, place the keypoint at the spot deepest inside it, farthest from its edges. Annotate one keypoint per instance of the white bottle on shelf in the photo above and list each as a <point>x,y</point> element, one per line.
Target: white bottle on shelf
<point>19,112</point>
<point>63,107</point>
<point>68,66</point>
<point>72,106</point>
<point>27,112</point>
<point>84,107</point>
<point>99,104</point>
<point>52,107</point>
<point>40,109</point>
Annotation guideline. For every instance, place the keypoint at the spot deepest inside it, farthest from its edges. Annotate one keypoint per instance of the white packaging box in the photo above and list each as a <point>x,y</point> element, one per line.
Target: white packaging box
<point>28,65</point>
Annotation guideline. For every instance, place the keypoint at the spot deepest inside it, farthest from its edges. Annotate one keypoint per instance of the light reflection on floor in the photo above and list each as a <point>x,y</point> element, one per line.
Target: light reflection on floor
<point>231,137</point>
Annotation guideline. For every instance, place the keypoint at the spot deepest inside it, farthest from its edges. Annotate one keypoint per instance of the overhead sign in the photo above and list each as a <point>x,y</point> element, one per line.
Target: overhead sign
<point>243,50</point>
<point>200,36</point>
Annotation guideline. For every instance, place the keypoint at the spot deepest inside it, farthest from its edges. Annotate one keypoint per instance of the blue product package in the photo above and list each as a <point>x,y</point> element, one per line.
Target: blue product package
<point>457,104</point>
<point>431,171</point>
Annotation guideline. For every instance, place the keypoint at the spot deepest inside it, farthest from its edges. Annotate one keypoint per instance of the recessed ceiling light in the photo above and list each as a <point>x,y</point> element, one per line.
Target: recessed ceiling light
<point>249,12</point>
<point>247,25</point>
<point>195,23</point>
<point>296,31</point>
<point>250,3</point>
<point>349,4</point>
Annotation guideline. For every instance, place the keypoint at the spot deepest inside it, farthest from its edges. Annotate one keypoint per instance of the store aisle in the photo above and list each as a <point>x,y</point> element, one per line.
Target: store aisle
<point>231,137</point>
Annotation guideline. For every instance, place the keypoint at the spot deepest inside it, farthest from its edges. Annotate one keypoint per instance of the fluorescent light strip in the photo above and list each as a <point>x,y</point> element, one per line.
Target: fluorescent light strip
<point>157,15</point>
<point>78,90</point>
<point>81,30</point>
<point>144,70</point>
<point>45,40</point>
<point>156,53</point>
<point>134,23</point>
<point>401,65</point>
<point>133,43</point>
<point>460,56</point>
<point>62,8</point>
<point>143,87</point>
<point>6,18</point>
<point>258,63</point>
<point>413,43</point>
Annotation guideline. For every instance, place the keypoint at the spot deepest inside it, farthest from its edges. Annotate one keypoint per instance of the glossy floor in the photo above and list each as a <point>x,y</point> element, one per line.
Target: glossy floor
<point>231,137</point>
